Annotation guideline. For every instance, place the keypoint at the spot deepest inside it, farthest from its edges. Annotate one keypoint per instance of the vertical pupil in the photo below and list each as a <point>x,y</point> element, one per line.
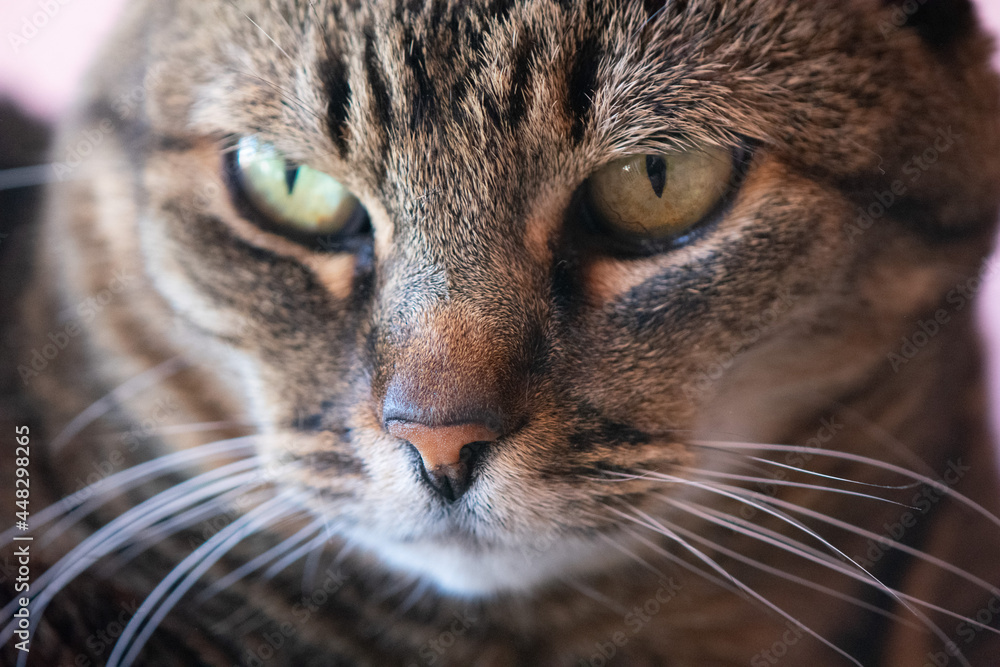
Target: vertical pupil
<point>291,174</point>
<point>656,169</point>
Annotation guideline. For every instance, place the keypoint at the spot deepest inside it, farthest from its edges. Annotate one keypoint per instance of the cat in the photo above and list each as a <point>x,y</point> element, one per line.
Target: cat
<point>511,332</point>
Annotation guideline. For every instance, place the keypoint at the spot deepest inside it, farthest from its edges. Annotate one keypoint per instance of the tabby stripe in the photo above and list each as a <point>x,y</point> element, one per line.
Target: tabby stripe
<point>581,85</point>
<point>521,82</point>
<point>653,6</point>
<point>411,6</point>
<point>424,96</point>
<point>381,102</point>
<point>500,9</point>
<point>332,461</point>
<point>338,91</point>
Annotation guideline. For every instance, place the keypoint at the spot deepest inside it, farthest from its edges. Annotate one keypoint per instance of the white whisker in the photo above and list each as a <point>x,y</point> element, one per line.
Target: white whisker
<point>418,592</point>
<point>129,478</point>
<point>804,471</point>
<point>315,543</point>
<point>247,16</point>
<point>875,463</point>
<point>595,595</point>
<point>311,569</point>
<point>882,539</point>
<point>120,394</point>
<point>97,493</point>
<point>651,523</point>
<point>725,583</point>
<point>27,177</point>
<point>259,561</point>
<point>193,566</point>
<point>751,531</point>
<point>174,429</point>
<point>631,554</point>
<point>119,531</point>
<point>868,577</point>
<point>781,482</point>
<point>161,530</point>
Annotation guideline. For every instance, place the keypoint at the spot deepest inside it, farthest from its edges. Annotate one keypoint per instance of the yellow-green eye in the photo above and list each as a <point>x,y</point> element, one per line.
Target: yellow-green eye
<point>660,196</point>
<point>294,196</point>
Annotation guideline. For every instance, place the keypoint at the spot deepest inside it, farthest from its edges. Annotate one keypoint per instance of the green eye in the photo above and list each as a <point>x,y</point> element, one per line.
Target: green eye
<point>660,196</point>
<point>296,197</point>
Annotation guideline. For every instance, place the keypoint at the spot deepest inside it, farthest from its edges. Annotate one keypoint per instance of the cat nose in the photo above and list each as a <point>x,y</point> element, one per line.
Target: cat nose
<point>449,453</point>
<point>451,390</point>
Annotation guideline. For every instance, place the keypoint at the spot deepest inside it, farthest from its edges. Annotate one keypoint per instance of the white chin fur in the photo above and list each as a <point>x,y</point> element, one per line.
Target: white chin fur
<point>463,572</point>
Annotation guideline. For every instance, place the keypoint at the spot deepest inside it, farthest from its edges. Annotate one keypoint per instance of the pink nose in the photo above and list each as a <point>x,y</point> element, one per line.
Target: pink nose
<point>440,445</point>
<point>445,450</point>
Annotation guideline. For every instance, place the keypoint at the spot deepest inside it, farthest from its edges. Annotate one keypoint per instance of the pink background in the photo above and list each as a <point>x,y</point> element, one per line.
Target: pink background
<point>43,74</point>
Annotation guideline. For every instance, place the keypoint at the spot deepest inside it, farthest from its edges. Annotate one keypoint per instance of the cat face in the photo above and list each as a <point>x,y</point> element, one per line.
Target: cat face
<point>469,370</point>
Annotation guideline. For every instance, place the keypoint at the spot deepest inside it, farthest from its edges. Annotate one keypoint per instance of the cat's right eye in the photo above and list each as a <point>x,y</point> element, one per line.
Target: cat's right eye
<point>296,200</point>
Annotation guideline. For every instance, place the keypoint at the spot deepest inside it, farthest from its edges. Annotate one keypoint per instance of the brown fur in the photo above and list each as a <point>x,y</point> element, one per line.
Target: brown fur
<point>466,128</point>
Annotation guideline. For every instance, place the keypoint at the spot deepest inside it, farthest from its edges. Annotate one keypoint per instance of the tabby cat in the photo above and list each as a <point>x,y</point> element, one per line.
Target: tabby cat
<point>512,332</point>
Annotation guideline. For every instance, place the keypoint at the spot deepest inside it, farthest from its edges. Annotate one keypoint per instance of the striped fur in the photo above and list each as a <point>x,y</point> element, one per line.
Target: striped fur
<point>695,431</point>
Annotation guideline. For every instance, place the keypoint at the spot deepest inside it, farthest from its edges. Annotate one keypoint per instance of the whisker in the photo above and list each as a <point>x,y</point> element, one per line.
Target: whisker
<point>767,568</point>
<point>892,487</point>
<point>315,543</point>
<point>651,523</point>
<point>757,532</point>
<point>677,560</point>
<point>130,482</point>
<point>595,595</point>
<point>200,427</point>
<point>247,16</point>
<point>27,177</point>
<point>869,578</point>
<point>161,530</point>
<point>418,592</point>
<point>875,463</point>
<point>882,539</point>
<point>782,482</point>
<point>129,478</point>
<point>259,561</point>
<point>118,531</point>
<point>286,94</point>
<point>139,629</point>
<point>120,394</point>
<point>882,436</point>
<point>313,559</point>
<point>631,554</point>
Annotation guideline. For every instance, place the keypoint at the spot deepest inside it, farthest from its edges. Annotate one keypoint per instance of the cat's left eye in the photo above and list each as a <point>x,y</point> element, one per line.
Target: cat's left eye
<point>295,199</point>
<point>653,198</point>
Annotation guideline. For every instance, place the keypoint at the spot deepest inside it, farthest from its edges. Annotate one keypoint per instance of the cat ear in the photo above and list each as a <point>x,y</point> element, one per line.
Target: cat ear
<point>939,22</point>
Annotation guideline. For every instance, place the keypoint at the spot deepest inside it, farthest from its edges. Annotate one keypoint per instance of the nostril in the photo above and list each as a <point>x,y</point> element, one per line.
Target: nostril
<point>451,482</point>
<point>471,452</point>
<point>448,453</point>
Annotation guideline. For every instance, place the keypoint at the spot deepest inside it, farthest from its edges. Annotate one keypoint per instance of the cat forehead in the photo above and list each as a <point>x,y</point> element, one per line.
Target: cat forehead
<point>363,89</point>
<point>611,72</point>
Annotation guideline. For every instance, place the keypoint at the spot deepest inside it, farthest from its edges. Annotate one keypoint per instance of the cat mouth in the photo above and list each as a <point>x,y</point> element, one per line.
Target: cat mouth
<point>458,567</point>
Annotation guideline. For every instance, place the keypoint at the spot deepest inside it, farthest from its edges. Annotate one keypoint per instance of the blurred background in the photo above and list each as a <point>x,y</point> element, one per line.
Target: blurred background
<point>47,46</point>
